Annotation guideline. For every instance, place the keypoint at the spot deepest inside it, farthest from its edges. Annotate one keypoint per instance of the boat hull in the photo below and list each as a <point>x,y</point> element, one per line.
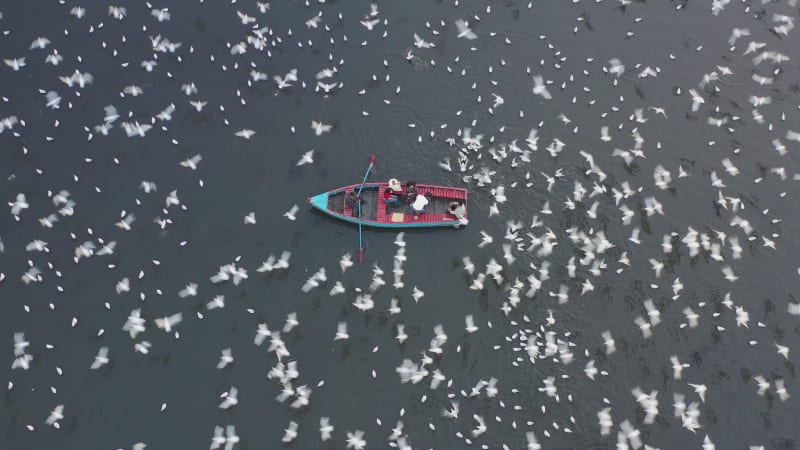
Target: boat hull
<point>376,213</point>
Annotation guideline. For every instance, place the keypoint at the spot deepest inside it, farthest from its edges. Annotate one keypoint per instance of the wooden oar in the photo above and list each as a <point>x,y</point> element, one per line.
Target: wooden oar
<point>360,241</point>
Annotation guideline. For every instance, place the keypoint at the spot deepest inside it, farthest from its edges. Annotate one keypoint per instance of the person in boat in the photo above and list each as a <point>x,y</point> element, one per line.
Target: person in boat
<point>419,205</point>
<point>458,210</point>
<point>352,200</point>
<point>411,192</point>
<point>389,197</point>
<point>394,185</point>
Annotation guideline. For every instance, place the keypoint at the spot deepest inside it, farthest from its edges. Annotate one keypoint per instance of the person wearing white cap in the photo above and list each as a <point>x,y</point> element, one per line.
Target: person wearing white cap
<point>395,185</point>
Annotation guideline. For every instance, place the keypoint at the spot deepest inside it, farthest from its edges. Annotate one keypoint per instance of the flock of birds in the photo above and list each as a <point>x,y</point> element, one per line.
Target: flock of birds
<point>530,258</point>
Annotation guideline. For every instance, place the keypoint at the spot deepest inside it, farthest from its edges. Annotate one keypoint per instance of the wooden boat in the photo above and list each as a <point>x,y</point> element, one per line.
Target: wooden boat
<point>375,212</point>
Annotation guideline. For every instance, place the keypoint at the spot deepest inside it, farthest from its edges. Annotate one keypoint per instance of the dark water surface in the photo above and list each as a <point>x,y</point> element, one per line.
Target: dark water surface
<point>120,404</point>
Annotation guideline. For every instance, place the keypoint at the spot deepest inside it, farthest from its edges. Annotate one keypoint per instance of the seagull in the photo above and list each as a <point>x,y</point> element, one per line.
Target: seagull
<point>697,100</point>
<point>192,162</point>
<point>346,262</point>
<point>464,31</point>
<point>341,331</point>
<point>355,440</point>
<point>101,359</point>
<point>168,322</point>
<point>470,322</point>
<point>53,100</point>
<point>325,428</point>
<point>189,291</point>
<point>486,239</point>
<point>307,158</point>
<point>78,11</point>
<point>763,385</point>
<point>16,63</point>
<point>225,359</point>
<point>320,128</point>
<point>19,204</point>
<point>55,415</point>
<point>161,14</point>
<point>284,82</point>
<point>539,87</point>
<point>677,367</point>
<point>200,105</point>
<point>422,43</point>
<point>290,214</point>
<point>244,133</point>
<point>700,389</point>
<point>401,334</point>
<point>230,398</point>
<point>246,20</point>
<point>20,344</point>
<point>290,433</point>
<point>218,439</point>
<point>370,24</point>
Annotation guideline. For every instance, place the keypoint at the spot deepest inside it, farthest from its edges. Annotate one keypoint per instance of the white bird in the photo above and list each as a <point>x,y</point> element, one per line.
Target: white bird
<point>225,359</point>
<point>470,324</point>
<point>218,439</point>
<point>697,100</point>
<point>729,275</point>
<point>168,322</point>
<point>401,334</point>
<point>20,344</point>
<point>123,285</point>
<point>590,370</point>
<point>370,24</point>
<point>244,133</point>
<point>539,87</point>
<point>192,162</point>
<point>291,322</point>
<point>422,43</point>
<point>700,389</point>
<point>161,14</point>
<point>231,398</point>
<point>290,433</point>
<point>763,384</point>
<point>481,428</point>
<point>101,359</point>
<point>231,438</point>
<point>652,312</point>
<point>355,440</point>
<point>55,415</point>
<point>37,245</point>
<point>464,31</point>
<point>780,389</point>
<point>677,367</point>
<point>533,444</point>
<point>246,20</point>
<point>320,127</point>
<point>290,214</point>
<point>118,12</point>
<point>325,428</point>
<point>307,158</point>
<point>53,100</point>
<point>189,291</point>
<point>341,331</point>
<point>125,222</point>
<point>644,326</point>
<point>198,105</point>
<point>19,204</point>
<point>16,63</point>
